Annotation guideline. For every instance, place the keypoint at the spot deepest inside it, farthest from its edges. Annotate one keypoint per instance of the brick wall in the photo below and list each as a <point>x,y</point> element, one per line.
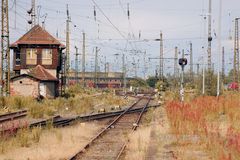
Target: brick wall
<point>24,86</point>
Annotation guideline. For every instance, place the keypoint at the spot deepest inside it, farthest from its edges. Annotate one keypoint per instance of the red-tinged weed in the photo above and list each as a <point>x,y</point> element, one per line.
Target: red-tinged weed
<point>208,117</point>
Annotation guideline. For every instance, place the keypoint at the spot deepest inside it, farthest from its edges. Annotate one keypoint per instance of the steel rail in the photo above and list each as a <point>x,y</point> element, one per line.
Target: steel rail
<point>133,129</point>
<point>12,116</point>
<point>104,130</point>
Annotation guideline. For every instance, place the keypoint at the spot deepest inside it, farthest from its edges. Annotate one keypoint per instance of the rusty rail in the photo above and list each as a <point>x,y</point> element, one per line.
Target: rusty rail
<point>13,116</point>
<point>133,129</point>
<point>104,130</point>
<point>112,125</point>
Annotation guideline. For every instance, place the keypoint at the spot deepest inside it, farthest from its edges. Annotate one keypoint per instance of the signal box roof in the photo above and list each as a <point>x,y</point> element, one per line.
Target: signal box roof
<point>37,36</point>
<point>42,74</point>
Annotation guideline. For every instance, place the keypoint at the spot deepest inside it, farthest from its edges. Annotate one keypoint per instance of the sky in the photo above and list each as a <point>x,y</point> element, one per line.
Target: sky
<point>181,22</point>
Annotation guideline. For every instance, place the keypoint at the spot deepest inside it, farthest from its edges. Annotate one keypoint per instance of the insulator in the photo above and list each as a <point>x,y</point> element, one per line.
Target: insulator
<point>30,22</point>
<point>128,12</point>
<point>95,14</point>
<point>209,39</point>
<point>29,11</point>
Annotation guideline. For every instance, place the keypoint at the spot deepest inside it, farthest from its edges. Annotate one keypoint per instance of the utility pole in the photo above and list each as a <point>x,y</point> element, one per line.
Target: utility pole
<point>15,14</point>
<point>124,73</point>
<point>209,74</point>
<point>219,45</point>
<point>210,36</point>
<point>176,63</point>
<point>135,67</point>
<point>5,51</point>
<point>63,74</point>
<point>145,65</point>
<point>105,68</point>
<point>236,52</point>
<point>183,54</point>
<point>67,46</point>
<point>83,59</point>
<point>182,63</point>
<point>198,67</point>
<point>33,15</point>
<point>76,65</point>
<point>223,65</point>
<point>96,67</point>
<point>191,63</point>
<point>161,58</point>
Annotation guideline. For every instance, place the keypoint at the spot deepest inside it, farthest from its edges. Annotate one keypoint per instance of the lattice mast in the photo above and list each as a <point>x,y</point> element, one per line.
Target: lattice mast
<point>33,14</point>
<point>210,37</point>
<point>236,52</point>
<point>210,68</point>
<point>176,63</point>
<point>76,65</point>
<point>67,68</point>
<point>161,57</point>
<point>191,62</point>
<point>223,65</point>
<point>5,51</point>
<point>96,67</point>
<point>83,59</point>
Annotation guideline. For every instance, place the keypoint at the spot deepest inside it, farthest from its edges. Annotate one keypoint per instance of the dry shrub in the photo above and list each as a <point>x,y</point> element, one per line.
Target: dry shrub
<point>36,111</point>
<point>20,102</point>
<point>110,100</point>
<point>36,134</point>
<point>58,104</point>
<point>3,146</point>
<point>84,105</point>
<point>3,102</point>
<point>23,138</point>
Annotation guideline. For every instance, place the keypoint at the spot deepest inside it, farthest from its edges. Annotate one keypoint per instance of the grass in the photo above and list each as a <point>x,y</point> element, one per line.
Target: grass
<point>139,143</point>
<point>54,144</point>
<point>81,101</point>
<point>216,121</point>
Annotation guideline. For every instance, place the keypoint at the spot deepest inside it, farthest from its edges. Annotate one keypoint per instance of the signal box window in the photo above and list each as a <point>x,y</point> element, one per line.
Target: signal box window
<point>31,56</point>
<point>47,57</point>
<point>18,59</point>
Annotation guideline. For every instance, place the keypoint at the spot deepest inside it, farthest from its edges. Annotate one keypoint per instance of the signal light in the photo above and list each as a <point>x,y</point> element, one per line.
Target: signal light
<point>183,61</point>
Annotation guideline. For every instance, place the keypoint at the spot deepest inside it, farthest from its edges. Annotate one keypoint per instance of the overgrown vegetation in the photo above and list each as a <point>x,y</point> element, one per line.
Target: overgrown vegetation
<point>81,101</point>
<point>216,121</point>
<point>39,144</point>
<point>24,138</point>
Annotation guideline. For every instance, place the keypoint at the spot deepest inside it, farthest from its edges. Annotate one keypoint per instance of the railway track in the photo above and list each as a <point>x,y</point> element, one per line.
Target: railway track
<point>13,116</point>
<point>56,121</point>
<point>110,143</point>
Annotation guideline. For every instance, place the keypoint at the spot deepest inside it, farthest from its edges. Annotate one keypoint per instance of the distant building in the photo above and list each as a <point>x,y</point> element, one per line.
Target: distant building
<point>99,79</point>
<point>37,59</point>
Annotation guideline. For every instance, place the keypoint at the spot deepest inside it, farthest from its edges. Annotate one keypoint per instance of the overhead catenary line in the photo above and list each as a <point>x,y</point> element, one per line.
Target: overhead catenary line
<point>116,28</point>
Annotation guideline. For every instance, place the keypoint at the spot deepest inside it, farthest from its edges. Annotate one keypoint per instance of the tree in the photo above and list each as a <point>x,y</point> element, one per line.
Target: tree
<point>138,83</point>
<point>151,81</point>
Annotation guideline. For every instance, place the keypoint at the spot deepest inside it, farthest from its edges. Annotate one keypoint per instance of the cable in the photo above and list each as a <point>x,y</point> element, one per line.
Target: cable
<point>108,19</point>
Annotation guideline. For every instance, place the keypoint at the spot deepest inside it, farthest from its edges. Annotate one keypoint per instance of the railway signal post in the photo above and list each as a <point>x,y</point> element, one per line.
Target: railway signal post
<point>182,62</point>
